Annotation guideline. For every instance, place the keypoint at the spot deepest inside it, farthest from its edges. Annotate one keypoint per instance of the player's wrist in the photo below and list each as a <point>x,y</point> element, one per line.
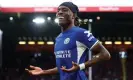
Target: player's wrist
<point>44,72</point>
<point>82,66</point>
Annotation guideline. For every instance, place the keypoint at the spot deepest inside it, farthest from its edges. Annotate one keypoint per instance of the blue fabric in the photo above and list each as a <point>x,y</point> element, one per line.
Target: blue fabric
<point>67,50</point>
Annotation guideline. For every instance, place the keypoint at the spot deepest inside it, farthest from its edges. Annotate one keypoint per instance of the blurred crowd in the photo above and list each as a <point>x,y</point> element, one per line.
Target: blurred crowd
<point>107,70</point>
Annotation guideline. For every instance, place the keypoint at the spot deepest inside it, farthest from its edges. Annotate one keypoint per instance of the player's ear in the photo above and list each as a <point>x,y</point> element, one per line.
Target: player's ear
<point>74,16</point>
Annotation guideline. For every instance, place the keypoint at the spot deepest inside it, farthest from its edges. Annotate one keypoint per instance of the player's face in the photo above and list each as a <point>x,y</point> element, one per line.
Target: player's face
<point>65,15</point>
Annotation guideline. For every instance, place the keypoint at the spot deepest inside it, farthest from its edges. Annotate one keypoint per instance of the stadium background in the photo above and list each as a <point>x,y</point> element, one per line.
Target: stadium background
<point>25,42</point>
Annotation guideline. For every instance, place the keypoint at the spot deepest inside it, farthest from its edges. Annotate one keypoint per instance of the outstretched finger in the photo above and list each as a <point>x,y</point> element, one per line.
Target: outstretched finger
<point>67,70</point>
<point>27,70</point>
<point>74,63</point>
<point>33,67</point>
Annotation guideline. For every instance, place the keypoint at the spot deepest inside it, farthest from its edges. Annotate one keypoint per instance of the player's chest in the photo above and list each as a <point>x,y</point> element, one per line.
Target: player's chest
<point>65,43</point>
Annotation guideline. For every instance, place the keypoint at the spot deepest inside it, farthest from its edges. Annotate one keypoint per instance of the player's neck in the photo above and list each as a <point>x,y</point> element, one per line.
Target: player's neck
<point>65,28</point>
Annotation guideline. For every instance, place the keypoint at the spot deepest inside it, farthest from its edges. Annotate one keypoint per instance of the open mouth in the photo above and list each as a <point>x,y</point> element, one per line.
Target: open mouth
<point>60,18</point>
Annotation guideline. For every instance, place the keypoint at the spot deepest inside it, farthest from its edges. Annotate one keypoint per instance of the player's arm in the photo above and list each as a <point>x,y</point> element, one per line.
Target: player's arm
<point>100,52</point>
<point>51,71</point>
<point>38,71</point>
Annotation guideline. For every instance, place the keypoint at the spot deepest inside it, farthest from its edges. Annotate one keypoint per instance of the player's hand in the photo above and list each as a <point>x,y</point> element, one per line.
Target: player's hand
<point>75,67</point>
<point>35,70</point>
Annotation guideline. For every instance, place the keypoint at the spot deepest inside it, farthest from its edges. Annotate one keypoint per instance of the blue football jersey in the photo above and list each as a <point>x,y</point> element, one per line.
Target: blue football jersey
<point>72,45</point>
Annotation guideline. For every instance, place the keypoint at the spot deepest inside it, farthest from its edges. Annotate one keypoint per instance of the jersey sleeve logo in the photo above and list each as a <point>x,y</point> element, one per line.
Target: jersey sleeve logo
<point>89,35</point>
<point>67,40</point>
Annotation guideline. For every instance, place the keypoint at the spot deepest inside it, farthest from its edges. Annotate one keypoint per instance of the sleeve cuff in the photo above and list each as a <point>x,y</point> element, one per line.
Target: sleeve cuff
<point>94,44</point>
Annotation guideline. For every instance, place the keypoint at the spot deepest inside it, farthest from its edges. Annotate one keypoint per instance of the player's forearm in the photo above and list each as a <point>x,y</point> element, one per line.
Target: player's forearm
<point>105,55</point>
<point>50,71</point>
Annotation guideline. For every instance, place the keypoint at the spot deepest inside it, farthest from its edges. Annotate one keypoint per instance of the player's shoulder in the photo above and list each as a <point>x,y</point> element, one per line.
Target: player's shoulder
<point>58,36</point>
<point>80,30</point>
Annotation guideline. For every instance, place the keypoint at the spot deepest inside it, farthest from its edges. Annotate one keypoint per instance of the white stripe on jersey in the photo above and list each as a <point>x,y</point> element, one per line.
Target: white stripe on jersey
<point>80,50</point>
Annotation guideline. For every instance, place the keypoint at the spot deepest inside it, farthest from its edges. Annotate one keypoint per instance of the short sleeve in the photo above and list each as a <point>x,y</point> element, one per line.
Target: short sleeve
<point>85,37</point>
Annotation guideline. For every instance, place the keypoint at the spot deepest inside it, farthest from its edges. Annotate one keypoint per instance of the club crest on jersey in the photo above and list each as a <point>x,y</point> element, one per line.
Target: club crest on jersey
<point>67,40</point>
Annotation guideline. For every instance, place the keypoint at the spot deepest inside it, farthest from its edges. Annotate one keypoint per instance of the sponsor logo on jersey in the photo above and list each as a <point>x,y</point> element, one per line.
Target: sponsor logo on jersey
<point>63,54</point>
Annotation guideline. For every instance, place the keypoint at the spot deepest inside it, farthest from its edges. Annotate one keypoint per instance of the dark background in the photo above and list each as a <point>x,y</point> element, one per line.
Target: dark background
<point>111,26</point>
